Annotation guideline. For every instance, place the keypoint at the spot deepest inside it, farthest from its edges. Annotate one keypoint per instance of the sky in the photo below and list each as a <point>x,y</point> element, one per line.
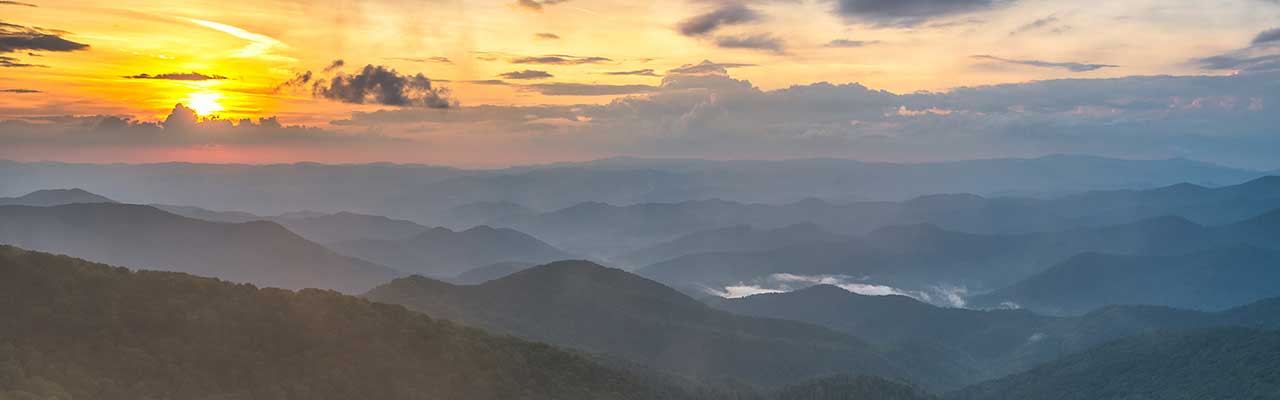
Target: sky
<point>496,83</point>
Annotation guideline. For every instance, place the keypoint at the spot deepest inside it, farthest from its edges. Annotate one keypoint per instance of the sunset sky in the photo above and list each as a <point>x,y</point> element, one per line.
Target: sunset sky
<point>495,83</point>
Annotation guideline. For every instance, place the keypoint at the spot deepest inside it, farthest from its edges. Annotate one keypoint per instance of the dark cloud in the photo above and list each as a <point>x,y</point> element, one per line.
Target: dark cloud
<point>546,36</point>
<point>336,64</point>
<point>16,3</point>
<point>179,76</point>
<point>526,74</point>
<point>376,85</point>
<point>851,43</point>
<point>726,14</point>
<point>441,60</point>
<point>908,13</point>
<point>584,89</point>
<point>560,59</point>
<point>638,72</point>
<point>707,67</point>
<point>537,5</point>
<point>757,41</point>
<point>493,82</point>
<point>1070,66</point>
<point>11,62</point>
<point>1267,36</point>
<point>17,37</point>
<point>19,91</point>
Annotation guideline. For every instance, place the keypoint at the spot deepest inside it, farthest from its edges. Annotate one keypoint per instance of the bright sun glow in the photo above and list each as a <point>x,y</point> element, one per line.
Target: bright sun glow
<point>205,103</point>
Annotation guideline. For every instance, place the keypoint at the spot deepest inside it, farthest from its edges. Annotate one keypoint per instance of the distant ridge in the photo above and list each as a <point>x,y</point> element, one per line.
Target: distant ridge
<point>54,197</point>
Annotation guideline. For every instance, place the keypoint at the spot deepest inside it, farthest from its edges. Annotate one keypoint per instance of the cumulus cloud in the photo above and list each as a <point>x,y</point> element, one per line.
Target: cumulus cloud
<point>908,13</point>
<point>758,41</point>
<point>179,76</point>
<point>725,14</point>
<point>707,67</point>
<point>375,84</point>
<point>1070,66</point>
<point>560,59</point>
<point>526,74</point>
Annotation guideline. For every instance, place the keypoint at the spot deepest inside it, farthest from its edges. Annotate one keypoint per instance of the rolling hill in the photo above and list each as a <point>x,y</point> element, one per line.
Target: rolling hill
<point>262,253</point>
<point>589,307</point>
<point>75,329</point>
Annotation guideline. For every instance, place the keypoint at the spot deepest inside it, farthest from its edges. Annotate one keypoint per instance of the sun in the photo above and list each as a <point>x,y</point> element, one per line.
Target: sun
<point>204,103</point>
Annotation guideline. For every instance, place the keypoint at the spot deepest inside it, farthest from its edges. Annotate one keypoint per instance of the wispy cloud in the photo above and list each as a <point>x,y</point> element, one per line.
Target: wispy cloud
<point>560,59</point>
<point>179,76</point>
<point>526,74</point>
<point>260,45</point>
<point>1070,66</point>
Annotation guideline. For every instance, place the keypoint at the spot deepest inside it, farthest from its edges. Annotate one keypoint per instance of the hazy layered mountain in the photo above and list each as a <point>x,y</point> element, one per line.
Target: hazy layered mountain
<point>317,227</point>
<point>851,388</point>
<point>262,253</point>
<point>1212,364</point>
<point>923,259</point>
<point>995,342</point>
<point>74,329</point>
<point>586,306</point>
<point>738,238</point>
<point>1209,280</point>
<point>481,213</point>
<point>443,252</point>
<point>423,193</point>
<point>54,197</point>
<point>489,272</point>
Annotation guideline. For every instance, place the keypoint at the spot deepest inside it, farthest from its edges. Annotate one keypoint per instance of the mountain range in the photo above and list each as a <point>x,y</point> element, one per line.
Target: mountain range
<point>54,197</point>
<point>444,252</point>
<point>585,306</point>
<point>260,252</point>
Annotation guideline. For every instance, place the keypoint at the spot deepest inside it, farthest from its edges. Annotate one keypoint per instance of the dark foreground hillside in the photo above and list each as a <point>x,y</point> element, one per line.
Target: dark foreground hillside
<point>1222,364</point>
<point>71,329</point>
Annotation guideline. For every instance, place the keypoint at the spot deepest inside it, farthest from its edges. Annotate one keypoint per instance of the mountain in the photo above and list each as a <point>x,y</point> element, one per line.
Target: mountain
<point>317,227</point>
<point>444,252</point>
<point>994,342</point>
<point>603,310</point>
<point>262,253</point>
<point>54,197</point>
<point>1212,364</point>
<point>489,272</point>
<point>75,329</point>
<point>851,388</point>
<point>483,212</point>
<point>920,259</point>
<point>1209,280</point>
<point>424,193</point>
<point>738,238</point>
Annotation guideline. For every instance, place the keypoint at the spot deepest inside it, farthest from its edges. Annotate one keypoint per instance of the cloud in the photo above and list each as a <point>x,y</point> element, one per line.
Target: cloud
<point>441,60</point>
<point>1070,66</point>
<point>335,65</point>
<point>537,5</point>
<point>376,84</point>
<point>16,3</point>
<point>494,82</point>
<point>178,76</point>
<point>707,67</point>
<point>851,43</point>
<point>260,46</point>
<point>726,14</point>
<point>20,91</point>
<point>546,36</point>
<point>560,59</point>
<point>1039,24</point>
<point>638,72</point>
<point>17,37</point>
<point>1267,36</point>
<point>759,41</point>
<point>12,62</point>
<point>908,13</point>
<point>583,89</point>
<point>526,74</point>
